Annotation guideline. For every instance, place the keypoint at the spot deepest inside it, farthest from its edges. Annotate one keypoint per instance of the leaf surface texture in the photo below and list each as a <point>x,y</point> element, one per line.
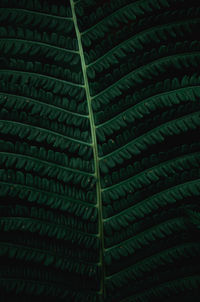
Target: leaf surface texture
<point>99,150</point>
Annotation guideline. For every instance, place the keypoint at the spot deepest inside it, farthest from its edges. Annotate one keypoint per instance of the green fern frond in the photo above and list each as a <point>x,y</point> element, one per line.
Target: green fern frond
<point>99,150</point>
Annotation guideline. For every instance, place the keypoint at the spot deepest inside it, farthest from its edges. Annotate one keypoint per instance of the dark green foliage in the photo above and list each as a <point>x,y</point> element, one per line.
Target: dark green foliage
<point>99,150</point>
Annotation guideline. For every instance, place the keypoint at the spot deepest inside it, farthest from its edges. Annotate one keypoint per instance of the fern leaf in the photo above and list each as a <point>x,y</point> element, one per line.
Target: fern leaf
<point>99,150</point>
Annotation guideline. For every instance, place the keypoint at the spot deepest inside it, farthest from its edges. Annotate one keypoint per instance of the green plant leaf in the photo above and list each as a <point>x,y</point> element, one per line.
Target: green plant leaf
<point>99,150</point>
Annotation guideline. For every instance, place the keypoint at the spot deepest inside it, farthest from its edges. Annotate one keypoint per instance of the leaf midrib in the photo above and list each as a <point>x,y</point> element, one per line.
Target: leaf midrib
<point>95,149</point>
